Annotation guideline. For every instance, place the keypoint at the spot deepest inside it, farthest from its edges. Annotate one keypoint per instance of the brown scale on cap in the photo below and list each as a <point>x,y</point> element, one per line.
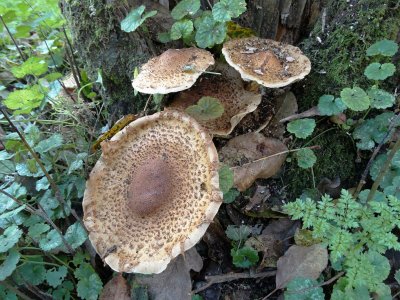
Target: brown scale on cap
<point>270,63</point>
<point>228,88</point>
<point>173,71</point>
<point>148,194</point>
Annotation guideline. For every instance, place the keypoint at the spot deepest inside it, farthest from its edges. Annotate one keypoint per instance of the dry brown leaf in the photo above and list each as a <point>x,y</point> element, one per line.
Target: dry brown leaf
<point>285,106</point>
<point>301,261</point>
<point>116,289</point>
<point>175,282</point>
<point>242,152</point>
<point>261,194</point>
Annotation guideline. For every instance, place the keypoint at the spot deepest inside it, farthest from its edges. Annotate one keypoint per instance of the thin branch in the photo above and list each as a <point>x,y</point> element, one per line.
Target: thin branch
<point>74,65</point>
<point>12,38</point>
<point>312,112</point>
<point>15,290</point>
<point>230,277</point>
<point>29,208</point>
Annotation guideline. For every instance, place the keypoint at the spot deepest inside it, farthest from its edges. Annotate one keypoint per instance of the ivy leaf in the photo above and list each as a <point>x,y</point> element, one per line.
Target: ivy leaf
<point>384,47</point>
<point>306,158</point>
<point>23,101</point>
<point>75,235</point>
<point>9,264</point>
<point>209,32</point>
<point>134,19</point>
<point>55,277</point>
<point>9,238</point>
<point>231,195</point>
<point>53,142</point>
<point>184,8</point>
<point>244,257</point>
<point>33,272</point>
<point>238,233</point>
<point>37,229</point>
<point>225,10</point>
<point>301,128</point>
<point>377,71</point>
<point>181,29</point>
<point>301,289</point>
<point>329,106</point>
<point>89,285</point>
<point>225,179</point>
<point>207,108</point>
<point>51,241</point>
<point>380,99</point>
<point>32,66</point>
<point>356,98</point>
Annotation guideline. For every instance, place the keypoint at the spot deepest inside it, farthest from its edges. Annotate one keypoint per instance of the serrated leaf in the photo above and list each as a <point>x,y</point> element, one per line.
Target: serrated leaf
<point>7,294</point>
<point>32,66</point>
<point>55,277</point>
<point>42,184</point>
<point>381,99</point>
<point>300,288</point>
<point>207,108</point>
<point>134,19</point>
<point>306,158</point>
<point>37,229</point>
<point>377,71</point>
<point>75,235</point>
<point>329,106</point>
<point>9,238</point>
<point>209,32</point>
<point>15,190</point>
<point>244,257</point>
<point>64,291</point>
<point>12,213</point>
<point>51,241</point>
<point>301,128</point>
<point>225,10</point>
<point>384,47</point>
<point>33,272</point>
<point>23,101</point>
<point>238,233</point>
<point>231,196</point>
<point>89,285</point>
<point>181,29</point>
<point>184,8</point>
<point>356,98</point>
<point>9,264</point>
<point>53,142</point>
<point>381,265</point>
<point>225,179</point>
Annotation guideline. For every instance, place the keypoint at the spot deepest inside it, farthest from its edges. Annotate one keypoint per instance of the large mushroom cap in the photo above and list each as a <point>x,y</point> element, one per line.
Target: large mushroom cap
<point>270,63</point>
<point>173,71</point>
<point>228,88</point>
<point>153,192</point>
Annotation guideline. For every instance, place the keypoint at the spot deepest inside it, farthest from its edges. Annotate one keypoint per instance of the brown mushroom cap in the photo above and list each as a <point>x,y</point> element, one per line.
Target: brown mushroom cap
<point>270,63</point>
<point>153,192</point>
<point>228,88</point>
<point>173,71</point>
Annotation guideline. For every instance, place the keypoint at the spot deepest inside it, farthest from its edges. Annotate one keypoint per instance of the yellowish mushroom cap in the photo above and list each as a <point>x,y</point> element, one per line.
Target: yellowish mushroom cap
<point>153,192</point>
<point>270,63</point>
<point>173,71</point>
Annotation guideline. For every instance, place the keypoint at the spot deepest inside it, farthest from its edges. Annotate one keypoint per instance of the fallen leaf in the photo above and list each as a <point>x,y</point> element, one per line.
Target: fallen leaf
<point>330,187</point>
<point>175,282</point>
<point>285,106</point>
<point>247,155</point>
<point>117,288</point>
<point>298,261</point>
<point>261,194</point>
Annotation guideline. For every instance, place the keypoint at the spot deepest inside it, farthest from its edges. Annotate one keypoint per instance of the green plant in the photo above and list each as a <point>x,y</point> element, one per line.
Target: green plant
<point>243,256</point>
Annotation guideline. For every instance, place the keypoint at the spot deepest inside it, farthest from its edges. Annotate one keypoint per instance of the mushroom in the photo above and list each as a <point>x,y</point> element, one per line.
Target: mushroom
<point>173,71</point>
<point>270,63</point>
<point>152,193</point>
<point>228,88</point>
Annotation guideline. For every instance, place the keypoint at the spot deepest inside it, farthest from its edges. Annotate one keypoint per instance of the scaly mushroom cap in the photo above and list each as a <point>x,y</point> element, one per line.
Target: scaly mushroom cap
<point>228,88</point>
<point>153,192</point>
<point>270,63</point>
<point>173,71</point>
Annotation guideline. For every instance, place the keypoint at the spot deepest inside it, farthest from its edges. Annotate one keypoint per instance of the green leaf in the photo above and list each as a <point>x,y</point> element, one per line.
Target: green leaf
<point>23,101</point>
<point>53,142</point>
<point>225,179</point>
<point>9,264</point>
<point>209,32</point>
<point>238,233</point>
<point>75,235</point>
<point>244,257</point>
<point>55,277</point>
<point>42,184</point>
<point>77,163</point>
<point>225,10</point>
<point>134,19</point>
<point>80,257</point>
<point>9,238</point>
<point>231,196</point>
<point>164,37</point>
<point>384,47</point>
<point>207,108</point>
<point>301,128</point>
<point>7,294</point>
<point>377,71</point>
<point>37,229</point>
<point>64,291</point>
<point>397,276</point>
<point>32,66</point>
<point>329,106</point>
<point>306,158</point>
<point>356,98</point>
<point>33,272</point>
<point>51,241</point>
<point>89,285</point>
<point>53,76</point>
<point>381,99</point>
<point>184,8</point>
<point>301,289</point>
<point>381,265</point>
<point>181,29</point>
<point>12,213</point>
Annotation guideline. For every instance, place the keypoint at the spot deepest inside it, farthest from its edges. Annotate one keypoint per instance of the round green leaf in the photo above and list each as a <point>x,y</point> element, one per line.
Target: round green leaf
<point>9,238</point>
<point>381,99</point>
<point>55,277</point>
<point>181,29</point>
<point>9,264</point>
<point>134,19</point>
<point>356,98</point>
<point>32,66</point>
<point>37,229</point>
<point>24,100</point>
<point>225,10</point>
<point>225,179</point>
<point>301,128</point>
<point>75,235</point>
<point>33,272</point>
<point>329,106</point>
<point>207,108</point>
<point>231,196</point>
<point>305,158</point>
<point>376,71</point>
<point>184,8</point>
<point>209,32</point>
<point>244,257</point>
<point>51,241</point>
<point>384,47</point>
<point>302,289</point>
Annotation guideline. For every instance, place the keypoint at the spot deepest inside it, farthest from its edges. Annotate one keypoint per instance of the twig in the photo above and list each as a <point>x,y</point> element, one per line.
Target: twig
<point>12,38</point>
<point>147,103</point>
<point>313,111</point>
<point>74,66</point>
<point>230,277</point>
<point>15,290</point>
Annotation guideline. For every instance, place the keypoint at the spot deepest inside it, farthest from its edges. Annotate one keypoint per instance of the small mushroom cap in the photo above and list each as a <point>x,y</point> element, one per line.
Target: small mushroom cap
<point>228,88</point>
<point>173,71</point>
<point>270,63</point>
<point>153,192</point>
